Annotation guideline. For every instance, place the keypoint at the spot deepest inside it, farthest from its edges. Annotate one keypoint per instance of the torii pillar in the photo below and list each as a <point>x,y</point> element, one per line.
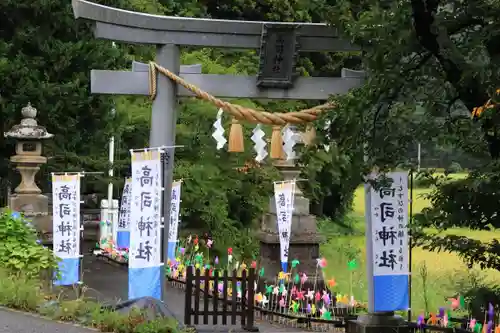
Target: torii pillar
<point>279,45</point>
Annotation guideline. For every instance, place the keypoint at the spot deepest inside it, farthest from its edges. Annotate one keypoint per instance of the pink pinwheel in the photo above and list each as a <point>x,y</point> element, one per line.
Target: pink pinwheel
<point>282,302</point>
<point>317,296</point>
<point>293,292</point>
<point>326,299</point>
<point>303,278</point>
<point>472,323</point>
<point>310,294</point>
<point>455,303</point>
<point>321,262</point>
<point>300,295</point>
<point>209,243</point>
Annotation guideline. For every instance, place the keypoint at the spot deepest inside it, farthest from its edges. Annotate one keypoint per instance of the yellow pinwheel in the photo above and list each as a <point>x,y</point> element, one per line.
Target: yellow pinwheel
<point>258,297</point>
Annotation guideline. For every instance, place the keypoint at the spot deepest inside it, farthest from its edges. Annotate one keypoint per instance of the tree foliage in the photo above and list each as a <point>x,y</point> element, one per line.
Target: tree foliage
<point>430,64</point>
<point>45,59</point>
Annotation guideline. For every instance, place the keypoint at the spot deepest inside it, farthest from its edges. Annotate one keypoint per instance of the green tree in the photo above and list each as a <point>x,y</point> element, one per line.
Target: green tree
<point>430,63</point>
<point>45,58</point>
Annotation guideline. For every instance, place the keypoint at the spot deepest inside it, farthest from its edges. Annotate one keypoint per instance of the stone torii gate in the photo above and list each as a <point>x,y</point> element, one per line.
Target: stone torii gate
<point>279,45</point>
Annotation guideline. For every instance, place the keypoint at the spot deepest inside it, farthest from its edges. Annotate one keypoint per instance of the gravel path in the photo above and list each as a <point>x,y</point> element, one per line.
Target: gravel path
<point>17,322</point>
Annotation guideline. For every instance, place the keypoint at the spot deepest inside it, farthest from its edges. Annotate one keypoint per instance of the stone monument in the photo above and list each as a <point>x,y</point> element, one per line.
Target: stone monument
<point>27,197</point>
<point>304,240</point>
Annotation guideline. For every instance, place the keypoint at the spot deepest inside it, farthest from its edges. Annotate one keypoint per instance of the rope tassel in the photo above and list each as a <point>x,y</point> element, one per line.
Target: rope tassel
<point>236,142</point>
<point>277,143</point>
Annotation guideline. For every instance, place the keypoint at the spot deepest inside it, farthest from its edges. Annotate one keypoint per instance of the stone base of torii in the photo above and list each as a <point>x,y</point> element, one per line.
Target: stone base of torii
<point>304,238</point>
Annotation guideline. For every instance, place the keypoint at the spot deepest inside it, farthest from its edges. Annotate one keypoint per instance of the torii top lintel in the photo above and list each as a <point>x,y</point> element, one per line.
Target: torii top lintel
<point>133,27</point>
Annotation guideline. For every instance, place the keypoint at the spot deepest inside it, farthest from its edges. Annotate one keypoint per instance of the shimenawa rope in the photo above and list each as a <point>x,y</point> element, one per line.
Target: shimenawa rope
<point>240,112</point>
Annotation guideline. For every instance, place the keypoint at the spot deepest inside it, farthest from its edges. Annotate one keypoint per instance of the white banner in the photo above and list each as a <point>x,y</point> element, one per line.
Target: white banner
<point>389,217</point>
<point>66,215</point>
<point>283,195</point>
<point>175,205</point>
<point>145,212</point>
<point>124,219</point>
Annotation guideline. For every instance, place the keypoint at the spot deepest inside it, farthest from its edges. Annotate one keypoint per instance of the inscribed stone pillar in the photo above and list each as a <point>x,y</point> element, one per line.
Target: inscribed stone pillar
<point>304,240</point>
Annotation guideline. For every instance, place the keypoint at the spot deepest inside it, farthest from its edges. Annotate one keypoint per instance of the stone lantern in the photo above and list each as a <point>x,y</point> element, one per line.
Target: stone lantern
<point>27,197</point>
<point>304,240</point>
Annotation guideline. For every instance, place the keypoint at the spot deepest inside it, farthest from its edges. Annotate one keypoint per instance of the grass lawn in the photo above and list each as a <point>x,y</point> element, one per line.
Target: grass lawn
<point>446,273</point>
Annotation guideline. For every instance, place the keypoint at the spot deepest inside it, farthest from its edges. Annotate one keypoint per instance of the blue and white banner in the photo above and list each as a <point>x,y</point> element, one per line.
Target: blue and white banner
<point>123,233</point>
<point>66,227</point>
<point>283,195</point>
<point>389,220</point>
<point>145,226</point>
<point>173,231</point>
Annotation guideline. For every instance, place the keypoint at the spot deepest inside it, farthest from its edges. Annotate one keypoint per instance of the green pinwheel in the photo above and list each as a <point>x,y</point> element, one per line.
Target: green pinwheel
<point>327,315</point>
<point>352,265</point>
<point>261,272</point>
<point>296,278</point>
<point>462,302</point>
<point>269,289</point>
<point>295,262</point>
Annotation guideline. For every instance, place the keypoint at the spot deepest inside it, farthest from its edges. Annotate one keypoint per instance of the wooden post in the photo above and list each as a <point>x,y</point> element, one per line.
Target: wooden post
<point>234,308</point>
<point>243,298</point>
<point>250,314</point>
<point>197,281</point>
<point>215,295</point>
<point>188,296</point>
<point>224,302</point>
<point>206,303</point>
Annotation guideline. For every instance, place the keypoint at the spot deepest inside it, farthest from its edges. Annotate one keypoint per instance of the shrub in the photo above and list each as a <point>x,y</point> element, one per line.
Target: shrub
<point>453,168</point>
<point>20,250</point>
<point>19,292</point>
<point>23,260</point>
<point>478,292</point>
<point>423,181</point>
<point>23,293</point>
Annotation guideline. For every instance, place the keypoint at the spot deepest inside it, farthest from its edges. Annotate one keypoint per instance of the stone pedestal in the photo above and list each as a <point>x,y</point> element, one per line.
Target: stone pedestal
<point>35,207</point>
<point>379,322</point>
<point>304,240</point>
